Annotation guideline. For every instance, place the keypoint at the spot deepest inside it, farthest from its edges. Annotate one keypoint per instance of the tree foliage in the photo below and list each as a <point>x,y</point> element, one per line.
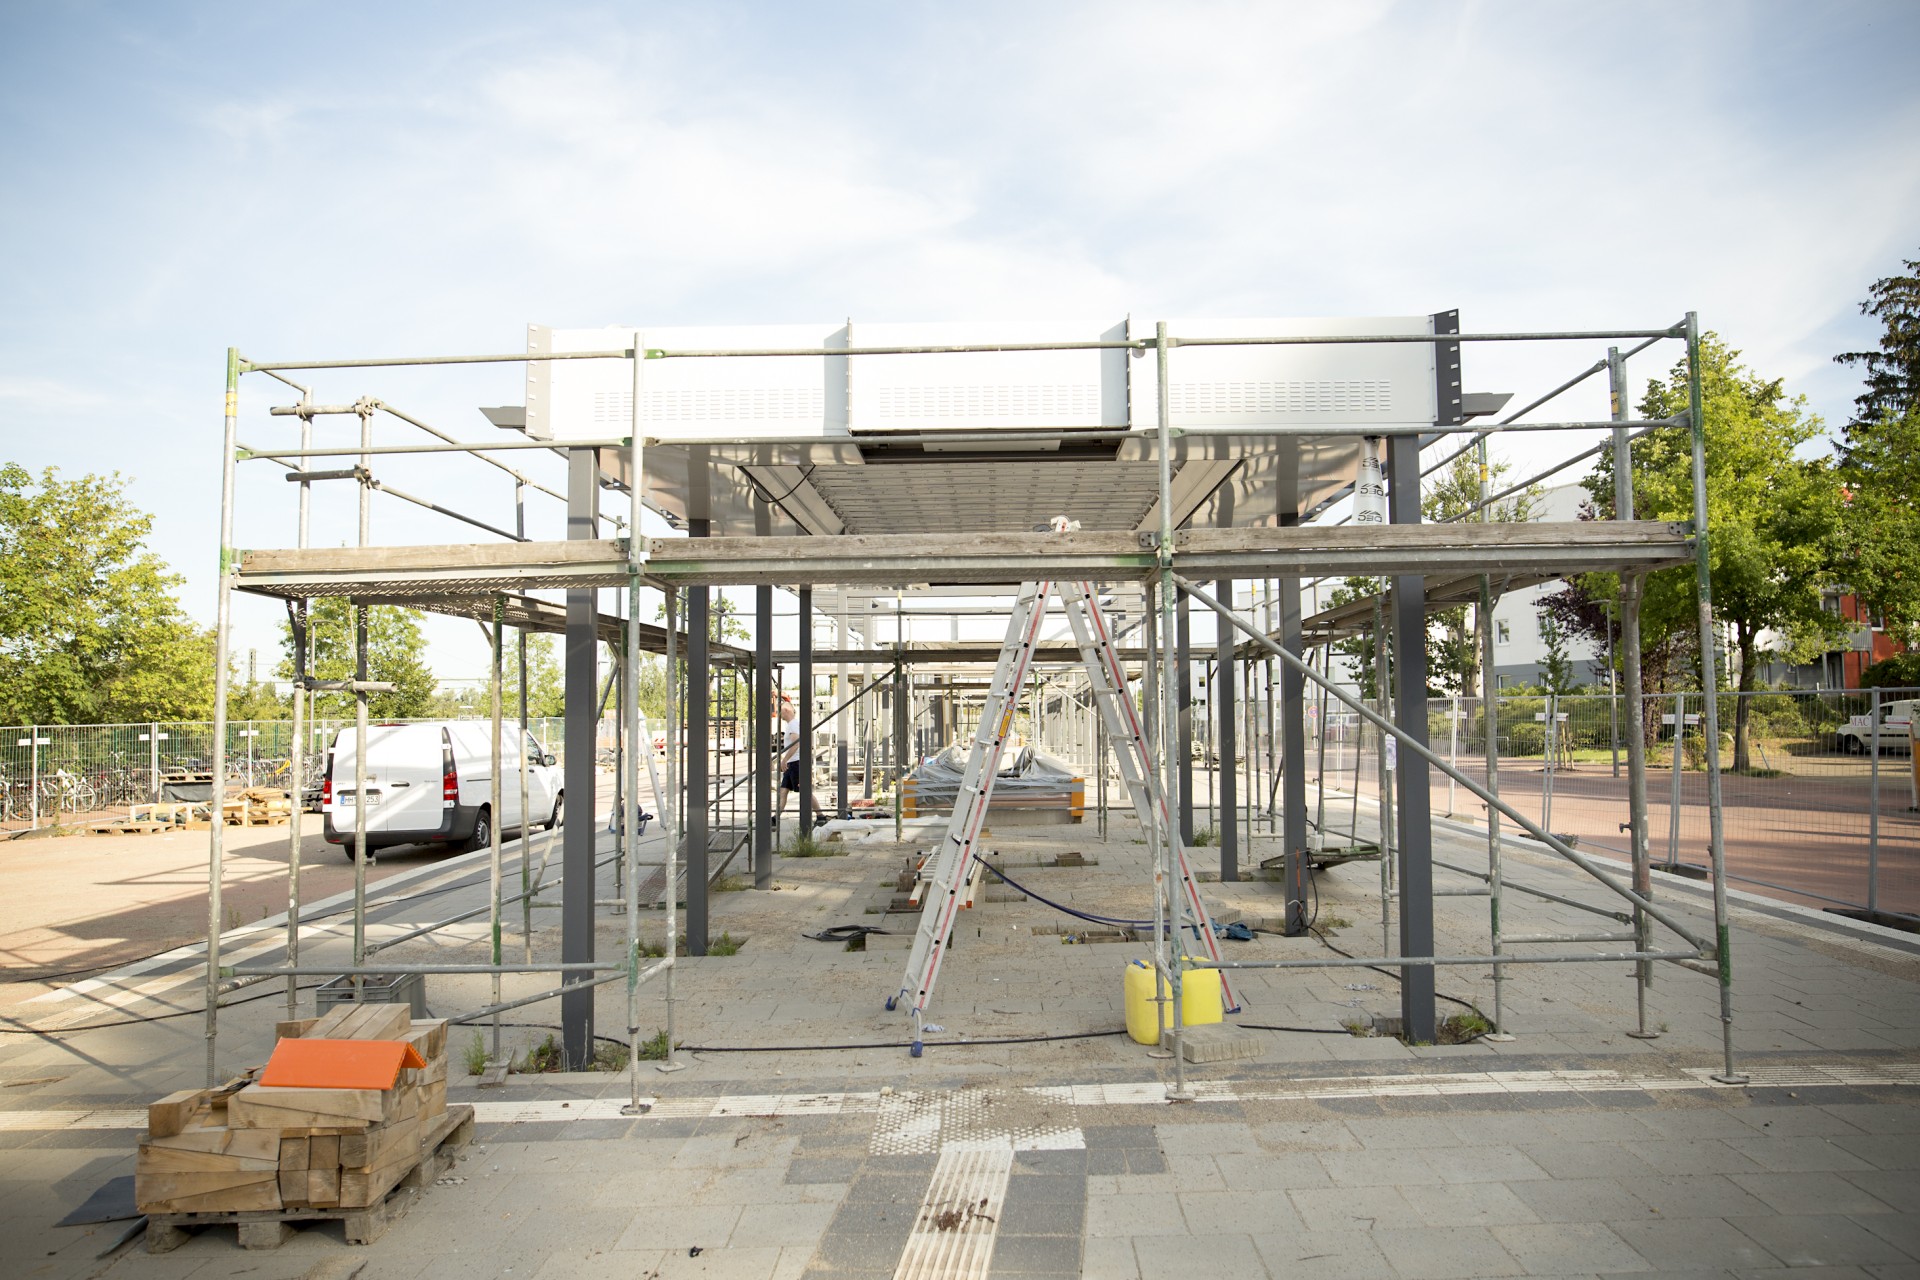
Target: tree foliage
<point>1453,643</point>
<point>1772,516</point>
<point>1880,461</point>
<point>546,680</point>
<point>1556,666</point>
<point>90,629</point>
<point>396,652</point>
<point>1453,646</point>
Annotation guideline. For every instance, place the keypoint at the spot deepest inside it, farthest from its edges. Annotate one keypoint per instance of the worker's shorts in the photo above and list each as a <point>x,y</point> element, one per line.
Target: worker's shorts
<point>790,780</point>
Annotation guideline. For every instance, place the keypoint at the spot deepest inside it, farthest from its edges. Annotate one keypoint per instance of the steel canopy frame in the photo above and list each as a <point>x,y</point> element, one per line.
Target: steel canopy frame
<point>647,562</point>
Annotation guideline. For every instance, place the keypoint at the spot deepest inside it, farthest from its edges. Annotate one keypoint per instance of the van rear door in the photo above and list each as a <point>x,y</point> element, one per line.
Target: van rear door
<point>404,763</point>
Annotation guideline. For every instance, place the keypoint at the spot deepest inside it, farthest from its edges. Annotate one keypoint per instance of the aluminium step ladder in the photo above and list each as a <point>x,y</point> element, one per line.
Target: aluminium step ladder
<point>952,863</point>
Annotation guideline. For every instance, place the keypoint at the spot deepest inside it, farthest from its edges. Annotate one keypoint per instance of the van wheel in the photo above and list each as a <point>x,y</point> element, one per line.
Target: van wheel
<point>559,813</point>
<point>482,829</point>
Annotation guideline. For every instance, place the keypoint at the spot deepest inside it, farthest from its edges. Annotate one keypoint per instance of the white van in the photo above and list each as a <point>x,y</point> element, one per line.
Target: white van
<point>1896,719</point>
<point>432,783</point>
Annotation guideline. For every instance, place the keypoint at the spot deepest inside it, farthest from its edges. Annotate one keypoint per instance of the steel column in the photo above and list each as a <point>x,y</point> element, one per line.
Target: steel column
<point>582,704</point>
<point>1225,700</point>
<point>1183,712</point>
<point>765,754</point>
<point>699,756</point>
<point>803,697</point>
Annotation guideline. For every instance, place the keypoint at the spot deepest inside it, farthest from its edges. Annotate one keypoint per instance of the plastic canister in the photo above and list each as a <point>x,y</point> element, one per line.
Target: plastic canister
<point>1200,999</point>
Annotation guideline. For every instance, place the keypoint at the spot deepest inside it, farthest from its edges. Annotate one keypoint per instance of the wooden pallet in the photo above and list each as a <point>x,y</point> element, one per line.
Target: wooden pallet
<point>271,1228</point>
<point>128,827</point>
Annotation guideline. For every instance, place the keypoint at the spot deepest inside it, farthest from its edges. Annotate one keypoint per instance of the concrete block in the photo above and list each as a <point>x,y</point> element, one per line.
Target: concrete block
<point>1218,1042</point>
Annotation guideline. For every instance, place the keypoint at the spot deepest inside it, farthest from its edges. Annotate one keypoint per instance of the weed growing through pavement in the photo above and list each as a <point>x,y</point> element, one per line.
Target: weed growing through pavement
<point>475,1055</point>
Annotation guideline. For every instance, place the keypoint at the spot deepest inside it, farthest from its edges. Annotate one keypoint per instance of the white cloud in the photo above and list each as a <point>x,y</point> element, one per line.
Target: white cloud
<point>1535,165</point>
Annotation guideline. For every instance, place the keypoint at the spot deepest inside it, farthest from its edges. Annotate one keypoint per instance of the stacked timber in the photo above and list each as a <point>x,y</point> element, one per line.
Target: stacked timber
<point>259,807</point>
<point>250,1146</point>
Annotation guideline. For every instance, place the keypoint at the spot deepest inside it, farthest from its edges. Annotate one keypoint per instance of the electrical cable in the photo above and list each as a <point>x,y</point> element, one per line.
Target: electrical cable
<point>881,1044</point>
<point>1017,887</point>
<point>900,1044</point>
<point>1464,1004</point>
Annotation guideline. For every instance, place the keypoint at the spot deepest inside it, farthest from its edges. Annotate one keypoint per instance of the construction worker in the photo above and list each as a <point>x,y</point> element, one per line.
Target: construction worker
<point>791,762</point>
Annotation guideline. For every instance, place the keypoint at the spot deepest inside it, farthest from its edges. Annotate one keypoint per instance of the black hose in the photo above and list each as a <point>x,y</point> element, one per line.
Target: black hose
<point>1017,887</point>
<point>898,1044</point>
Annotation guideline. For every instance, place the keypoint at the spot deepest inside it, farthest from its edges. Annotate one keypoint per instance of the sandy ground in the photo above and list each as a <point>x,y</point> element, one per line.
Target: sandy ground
<point>75,903</point>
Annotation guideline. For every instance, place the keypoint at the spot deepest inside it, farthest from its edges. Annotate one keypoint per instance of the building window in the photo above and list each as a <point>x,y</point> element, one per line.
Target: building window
<point>1502,633</point>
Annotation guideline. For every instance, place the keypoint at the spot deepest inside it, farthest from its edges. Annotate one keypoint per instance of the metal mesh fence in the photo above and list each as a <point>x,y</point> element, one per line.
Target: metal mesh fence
<point>1811,811</point>
<point>53,774</point>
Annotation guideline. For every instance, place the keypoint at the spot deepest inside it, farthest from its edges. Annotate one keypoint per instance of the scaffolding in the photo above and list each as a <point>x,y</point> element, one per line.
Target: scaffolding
<point>1171,563</point>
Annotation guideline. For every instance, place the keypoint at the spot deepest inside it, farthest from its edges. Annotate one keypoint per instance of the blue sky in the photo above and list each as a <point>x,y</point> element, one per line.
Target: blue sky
<point>352,179</point>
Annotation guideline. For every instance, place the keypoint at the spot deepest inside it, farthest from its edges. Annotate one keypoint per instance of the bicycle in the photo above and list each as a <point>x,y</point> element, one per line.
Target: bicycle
<point>64,792</point>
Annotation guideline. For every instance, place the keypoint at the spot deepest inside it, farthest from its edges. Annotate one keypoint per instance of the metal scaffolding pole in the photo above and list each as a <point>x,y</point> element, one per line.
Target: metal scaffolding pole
<point>223,626</point>
<point>1293,761</point>
<point>495,791</point>
<point>1710,708</point>
<point>1630,588</point>
<point>296,769</point>
<point>636,743</point>
<point>1490,733</point>
<point>1171,960</point>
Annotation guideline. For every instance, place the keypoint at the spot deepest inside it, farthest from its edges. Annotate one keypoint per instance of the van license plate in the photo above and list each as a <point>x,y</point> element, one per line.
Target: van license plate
<point>373,798</point>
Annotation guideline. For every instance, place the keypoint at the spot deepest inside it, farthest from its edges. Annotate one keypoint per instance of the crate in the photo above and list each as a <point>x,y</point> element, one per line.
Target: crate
<point>377,988</point>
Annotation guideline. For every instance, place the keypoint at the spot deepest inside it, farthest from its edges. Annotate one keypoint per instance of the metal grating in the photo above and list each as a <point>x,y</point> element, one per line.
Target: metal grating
<point>985,497</point>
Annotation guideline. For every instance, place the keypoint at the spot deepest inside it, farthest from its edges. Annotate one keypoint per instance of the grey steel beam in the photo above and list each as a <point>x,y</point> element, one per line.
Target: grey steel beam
<point>1183,712</point>
<point>582,651</point>
<point>1415,819</point>
<point>1224,703</point>
<point>765,754</point>
<point>804,696</point>
<point>699,758</point>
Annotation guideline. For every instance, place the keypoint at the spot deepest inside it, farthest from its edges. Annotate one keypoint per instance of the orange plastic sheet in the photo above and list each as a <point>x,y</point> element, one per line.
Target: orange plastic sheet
<point>339,1064</point>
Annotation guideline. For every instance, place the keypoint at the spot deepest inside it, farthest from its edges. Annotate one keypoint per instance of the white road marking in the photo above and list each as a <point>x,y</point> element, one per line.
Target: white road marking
<point>959,1219</point>
<point>1146,1094</point>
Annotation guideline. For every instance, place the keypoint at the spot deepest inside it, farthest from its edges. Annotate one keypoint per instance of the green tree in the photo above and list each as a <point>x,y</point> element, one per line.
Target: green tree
<point>1772,516</point>
<point>90,629</point>
<point>1880,461</point>
<point>1453,644</point>
<point>396,652</point>
<point>546,681</point>
<point>1556,667</point>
